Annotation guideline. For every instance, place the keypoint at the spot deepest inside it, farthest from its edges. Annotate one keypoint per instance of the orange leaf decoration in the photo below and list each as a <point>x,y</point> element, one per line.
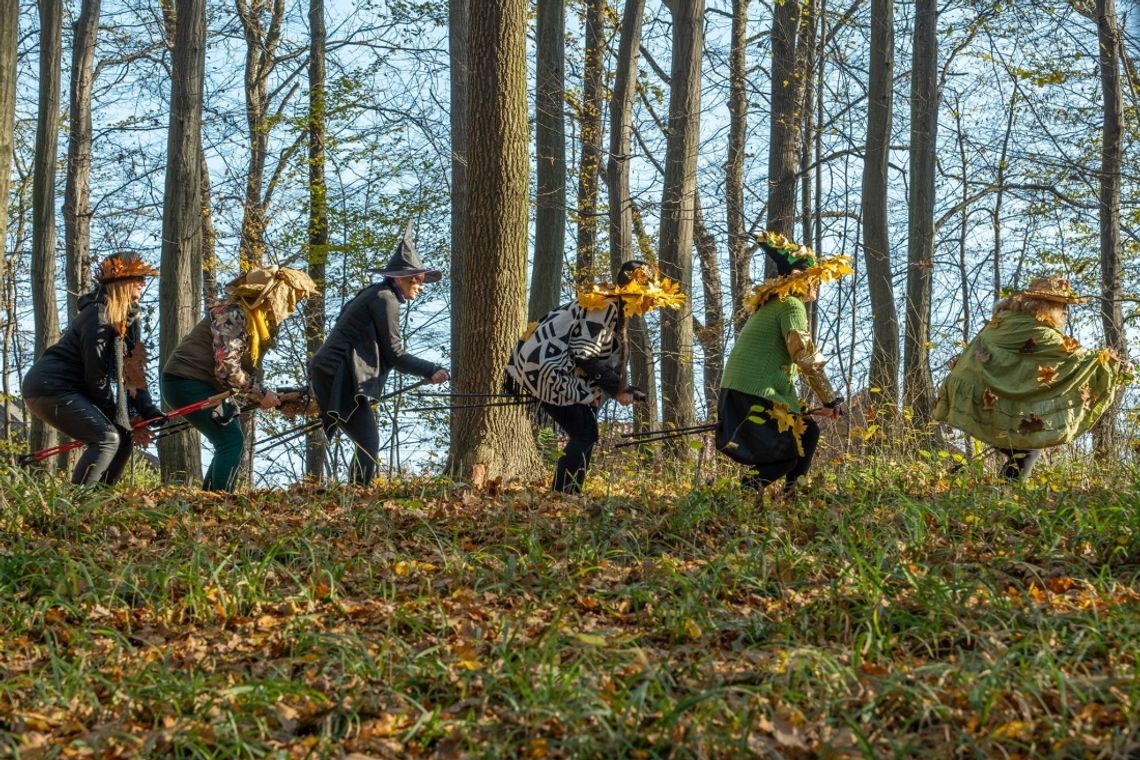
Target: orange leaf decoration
<point>989,398</point>
<point>1046,375</point>
<point>1028,347</point>
<point>1087,397</point>
<point>1070,345</point>
<point>1031,424</point>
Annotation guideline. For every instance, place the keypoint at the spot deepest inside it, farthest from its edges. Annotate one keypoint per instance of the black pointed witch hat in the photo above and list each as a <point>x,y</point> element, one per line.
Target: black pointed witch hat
<point>405,262</point>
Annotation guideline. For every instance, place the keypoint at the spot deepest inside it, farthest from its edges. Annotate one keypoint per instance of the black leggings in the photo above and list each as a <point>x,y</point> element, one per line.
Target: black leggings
<point>108,446</point>
<point>361,429</point>
<point>581,424</point>
<point>760,445</point>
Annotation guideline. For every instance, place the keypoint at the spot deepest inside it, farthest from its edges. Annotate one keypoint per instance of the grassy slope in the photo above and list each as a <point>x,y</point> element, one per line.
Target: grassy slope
<point>887,611</point>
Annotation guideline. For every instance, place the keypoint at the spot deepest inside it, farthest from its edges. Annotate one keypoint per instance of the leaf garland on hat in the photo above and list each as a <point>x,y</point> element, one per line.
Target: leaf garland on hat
<point>799,283</point>
<point>638,297</point>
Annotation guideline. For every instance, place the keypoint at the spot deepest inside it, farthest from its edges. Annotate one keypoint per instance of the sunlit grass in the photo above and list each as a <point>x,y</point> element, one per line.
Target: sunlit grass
<point>894,608</point>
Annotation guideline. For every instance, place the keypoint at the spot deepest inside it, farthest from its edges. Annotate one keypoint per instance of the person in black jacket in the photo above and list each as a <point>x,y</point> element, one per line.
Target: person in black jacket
<point>364,345</point>
<point>93,381</point>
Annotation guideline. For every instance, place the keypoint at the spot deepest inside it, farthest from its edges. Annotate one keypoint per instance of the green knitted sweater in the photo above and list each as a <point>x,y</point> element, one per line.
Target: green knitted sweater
<point>759,363</point>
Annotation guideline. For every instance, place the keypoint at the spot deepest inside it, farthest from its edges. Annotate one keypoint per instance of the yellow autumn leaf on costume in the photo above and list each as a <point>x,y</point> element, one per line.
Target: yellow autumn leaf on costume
<point>637,297</point>
<point>1105,358</point>
<point>783,417</point>
<point>1046,375</point>
<point>592,300</point>
<point>800,282</point>
<point>989,398</point>
<point>799,427</point>
<point>1070,345</point>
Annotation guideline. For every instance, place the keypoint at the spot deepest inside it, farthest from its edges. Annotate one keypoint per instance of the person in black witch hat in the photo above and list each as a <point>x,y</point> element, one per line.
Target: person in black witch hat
<point>760,420</point>
<point>93,381</point>
<point>363,347</point>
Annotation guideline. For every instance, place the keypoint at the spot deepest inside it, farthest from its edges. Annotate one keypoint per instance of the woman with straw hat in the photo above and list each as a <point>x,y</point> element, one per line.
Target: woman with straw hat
<point>1022,385</point>
<point>364,346</point>
<point>223,352</point>
<point>760,420</point>
<point>93,381</point>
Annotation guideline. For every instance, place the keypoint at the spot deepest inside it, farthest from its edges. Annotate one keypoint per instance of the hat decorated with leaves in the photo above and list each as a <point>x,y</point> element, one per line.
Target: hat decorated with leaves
<point>127,265</point>
<point>640,288</point>
<point>798,270</point>
<point>406,262</point>
<point>1052,289</point>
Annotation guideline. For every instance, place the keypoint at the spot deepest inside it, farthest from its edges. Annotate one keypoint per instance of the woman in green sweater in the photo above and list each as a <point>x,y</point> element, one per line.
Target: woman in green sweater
<point>761,422</point>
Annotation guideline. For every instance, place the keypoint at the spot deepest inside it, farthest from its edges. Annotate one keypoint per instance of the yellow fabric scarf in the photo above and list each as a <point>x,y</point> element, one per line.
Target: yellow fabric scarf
<point>258,330</point>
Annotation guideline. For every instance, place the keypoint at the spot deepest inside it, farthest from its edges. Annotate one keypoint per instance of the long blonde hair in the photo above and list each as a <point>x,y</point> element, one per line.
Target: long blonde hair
<point>118,296</point>
<point>1049,312</point>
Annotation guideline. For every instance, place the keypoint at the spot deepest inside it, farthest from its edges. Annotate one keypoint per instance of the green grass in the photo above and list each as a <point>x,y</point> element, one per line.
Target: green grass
<point>891,610</point>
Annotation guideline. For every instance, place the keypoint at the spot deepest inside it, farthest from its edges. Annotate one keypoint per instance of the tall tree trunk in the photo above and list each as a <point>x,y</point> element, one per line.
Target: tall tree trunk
<point>43,199</point>
<point>884,370</point>
<point>9,27</point>
<point>314,311</point>
<point>621,204</point>
<point>178,288</point>
<point>918,387</point>
<point>1112,318</point>
<point>457,11</point>
<point>789,21</point>
<point>77,190</point>
<point>493,282</point>
<point>590,118</point>
<point>260,61</point>
<point>209,240</point>
<point>738,248</point>
<point>711,334</point>
<point>806,60</point>
<point>550,150</point>
<point>677,207</point>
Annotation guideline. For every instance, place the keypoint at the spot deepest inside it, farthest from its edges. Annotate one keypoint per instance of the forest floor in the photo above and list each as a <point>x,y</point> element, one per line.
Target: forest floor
<point>892,609</point>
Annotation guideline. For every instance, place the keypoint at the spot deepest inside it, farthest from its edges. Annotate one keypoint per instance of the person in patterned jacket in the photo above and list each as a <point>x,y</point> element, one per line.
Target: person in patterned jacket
<point>93,380</point>
<point>223,352</point>
<point>760,421</point>
<point>575,358</point>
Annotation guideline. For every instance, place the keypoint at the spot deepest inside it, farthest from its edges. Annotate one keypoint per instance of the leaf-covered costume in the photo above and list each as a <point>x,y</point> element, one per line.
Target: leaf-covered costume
<point>1022,384</point>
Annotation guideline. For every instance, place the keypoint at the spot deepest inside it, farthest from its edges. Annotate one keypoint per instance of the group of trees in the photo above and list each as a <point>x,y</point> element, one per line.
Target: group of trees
<point>951,148</point>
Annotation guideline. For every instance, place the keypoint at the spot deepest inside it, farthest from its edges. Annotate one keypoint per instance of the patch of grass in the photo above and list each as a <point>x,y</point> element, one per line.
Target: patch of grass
<point>891,609</point>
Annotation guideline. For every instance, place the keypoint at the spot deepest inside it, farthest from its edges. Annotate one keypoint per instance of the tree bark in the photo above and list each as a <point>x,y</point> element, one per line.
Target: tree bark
<point>738,248</point>
<point>884,371</point>
<point>590,118</point>
<point>550,150</point>
<point>918,387</point>
<point>180,455</point>
<point>9,28</point>
<point>314,307</point>
<point>488,445</point>
<point>711,335</point>
<point>789,21</point>
<point>621,204</point>
<point>77,189</point>
<point>1111,314</point>
<point>677,208</point>
<point>457,54</point>
<point>43,199</point>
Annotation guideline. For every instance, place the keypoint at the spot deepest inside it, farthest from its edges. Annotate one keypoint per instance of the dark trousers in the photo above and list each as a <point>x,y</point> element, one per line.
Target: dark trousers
<point>108,446</point>
<point>760,445</point>
<point>227,438</point>
<point>1019,463</point>
<point>580,422</point>
<point>360,427</point>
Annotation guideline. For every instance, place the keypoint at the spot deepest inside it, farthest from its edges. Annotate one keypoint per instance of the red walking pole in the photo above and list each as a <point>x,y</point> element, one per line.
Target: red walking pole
<point>197,406</point>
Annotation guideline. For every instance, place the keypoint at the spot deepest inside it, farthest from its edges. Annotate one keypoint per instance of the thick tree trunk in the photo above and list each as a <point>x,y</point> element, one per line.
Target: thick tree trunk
<point>590,119</point>
<point>314,309</point>
<point>1111,314</point>
<point>180,455</point>
<point>77,189</point>
<point>738,247</point>
<point>789,21</point>
<point>876,238</point>
<point>918,387</point>
<point>621,204</point>
<point>489,444</point>
<point>43,199</point>
<point>550,149</point>
<point>677,208</point>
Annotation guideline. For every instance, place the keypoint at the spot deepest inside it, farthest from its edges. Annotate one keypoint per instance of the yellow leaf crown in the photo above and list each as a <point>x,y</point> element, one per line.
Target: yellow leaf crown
<point>639,296</point>
<point>800,282</point>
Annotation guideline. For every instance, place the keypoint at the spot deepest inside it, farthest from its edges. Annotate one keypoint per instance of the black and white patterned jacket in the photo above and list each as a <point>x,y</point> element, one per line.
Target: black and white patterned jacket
<point>572,351</point>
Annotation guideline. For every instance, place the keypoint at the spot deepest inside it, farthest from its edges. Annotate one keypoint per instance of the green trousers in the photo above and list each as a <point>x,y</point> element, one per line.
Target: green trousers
<point>228,440</point>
